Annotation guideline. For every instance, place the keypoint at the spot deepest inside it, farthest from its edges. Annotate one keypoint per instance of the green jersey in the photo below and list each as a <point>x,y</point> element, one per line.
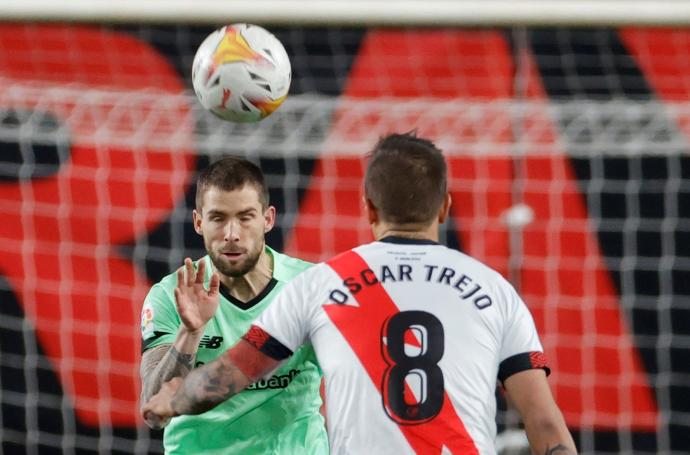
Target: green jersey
<point>277,415</point>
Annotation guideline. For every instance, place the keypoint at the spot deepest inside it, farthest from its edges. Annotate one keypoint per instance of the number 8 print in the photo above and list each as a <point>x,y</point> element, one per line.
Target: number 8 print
<point>403,404</point>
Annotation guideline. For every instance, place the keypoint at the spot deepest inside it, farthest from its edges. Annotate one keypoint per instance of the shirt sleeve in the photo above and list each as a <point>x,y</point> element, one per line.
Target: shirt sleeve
<point>159,318</point>
<point>285,325</point>
<point>520,348</point>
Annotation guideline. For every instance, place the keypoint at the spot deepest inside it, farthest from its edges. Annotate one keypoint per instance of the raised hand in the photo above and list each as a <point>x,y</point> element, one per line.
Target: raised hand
<point>196,305</point>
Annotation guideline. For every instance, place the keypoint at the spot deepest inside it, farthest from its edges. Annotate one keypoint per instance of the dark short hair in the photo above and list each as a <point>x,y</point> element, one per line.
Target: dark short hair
<point>228,174</point>
<point>406,178</point>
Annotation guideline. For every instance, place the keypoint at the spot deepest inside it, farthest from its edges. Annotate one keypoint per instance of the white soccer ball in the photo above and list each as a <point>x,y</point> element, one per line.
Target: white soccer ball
<point>241,73</point>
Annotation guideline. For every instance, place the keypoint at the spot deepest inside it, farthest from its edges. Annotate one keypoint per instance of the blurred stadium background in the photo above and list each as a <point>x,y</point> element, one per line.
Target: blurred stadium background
<point>567,132</point>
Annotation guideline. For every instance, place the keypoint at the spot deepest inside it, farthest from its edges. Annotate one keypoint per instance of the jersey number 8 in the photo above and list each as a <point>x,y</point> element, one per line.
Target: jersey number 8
<point>412,387</point>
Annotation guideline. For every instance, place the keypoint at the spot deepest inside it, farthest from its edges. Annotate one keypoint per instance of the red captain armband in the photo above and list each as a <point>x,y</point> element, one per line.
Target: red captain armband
<point>257,352</point>
<point>521,362</point>
<point>538,360</point>
<point>256,336</point>
<point>264,342</point>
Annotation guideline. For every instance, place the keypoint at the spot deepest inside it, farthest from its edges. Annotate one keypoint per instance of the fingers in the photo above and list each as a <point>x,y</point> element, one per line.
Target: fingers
<point>180,277</point>
<point>187,276</point>
<point>178,300</point>
<point>189,269</point>
<point>201,273</point>
<point>214,285</point>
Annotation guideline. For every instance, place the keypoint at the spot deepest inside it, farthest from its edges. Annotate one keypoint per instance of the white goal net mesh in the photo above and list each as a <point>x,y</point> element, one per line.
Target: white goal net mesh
<point>568,155</point>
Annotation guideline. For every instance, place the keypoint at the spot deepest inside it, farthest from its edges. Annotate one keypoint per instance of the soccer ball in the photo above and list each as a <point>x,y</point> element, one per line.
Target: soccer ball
<point>241,73</point>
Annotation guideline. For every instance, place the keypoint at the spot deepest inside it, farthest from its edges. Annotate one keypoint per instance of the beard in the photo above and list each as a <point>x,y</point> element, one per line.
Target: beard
<point>237,269</point>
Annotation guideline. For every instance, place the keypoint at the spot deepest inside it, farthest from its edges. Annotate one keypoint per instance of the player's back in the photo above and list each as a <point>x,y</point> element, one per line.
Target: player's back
<point>411,336</point>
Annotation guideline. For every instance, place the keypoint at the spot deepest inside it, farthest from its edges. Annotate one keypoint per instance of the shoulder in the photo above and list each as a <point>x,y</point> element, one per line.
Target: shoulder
<point>505,295</point>
<point>475,270</point>
<point>289,266</point>
<point>166,285</point>
<point>480,269</point>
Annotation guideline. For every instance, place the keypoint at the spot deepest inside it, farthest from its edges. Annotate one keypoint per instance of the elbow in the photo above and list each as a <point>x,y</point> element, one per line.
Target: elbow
<point>546,424</point>
<point>146,394</point>
<point>546,420</point>
<point>549,426</point>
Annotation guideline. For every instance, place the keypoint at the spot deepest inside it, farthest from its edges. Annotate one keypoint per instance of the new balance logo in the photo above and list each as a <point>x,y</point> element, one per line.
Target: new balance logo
<point>210,342</point>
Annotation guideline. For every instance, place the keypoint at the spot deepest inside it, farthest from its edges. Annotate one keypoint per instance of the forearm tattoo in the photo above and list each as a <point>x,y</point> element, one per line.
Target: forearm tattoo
<point>207,386</point>
<point>559,449</point>
<point>156,370</point>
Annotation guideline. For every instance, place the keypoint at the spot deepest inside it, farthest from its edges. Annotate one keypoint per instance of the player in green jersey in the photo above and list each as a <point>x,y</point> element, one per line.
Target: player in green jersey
<point>219,296</point>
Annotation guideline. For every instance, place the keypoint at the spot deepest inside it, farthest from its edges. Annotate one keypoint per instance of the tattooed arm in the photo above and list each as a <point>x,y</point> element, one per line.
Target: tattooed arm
<point>544,424</point>
<point>162,363</point>
<point>209,385</point>
<point>195,306</point>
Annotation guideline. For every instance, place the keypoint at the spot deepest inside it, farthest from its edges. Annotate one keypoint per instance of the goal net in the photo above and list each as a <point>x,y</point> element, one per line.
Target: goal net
<point>568,154</point>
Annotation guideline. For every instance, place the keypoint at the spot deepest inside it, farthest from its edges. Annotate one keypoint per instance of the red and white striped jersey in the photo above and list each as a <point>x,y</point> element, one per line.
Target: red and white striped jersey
<point>411,337</point>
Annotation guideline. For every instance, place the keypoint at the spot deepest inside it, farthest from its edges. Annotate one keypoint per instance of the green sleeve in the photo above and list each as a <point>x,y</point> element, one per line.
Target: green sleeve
<point>159,318</point>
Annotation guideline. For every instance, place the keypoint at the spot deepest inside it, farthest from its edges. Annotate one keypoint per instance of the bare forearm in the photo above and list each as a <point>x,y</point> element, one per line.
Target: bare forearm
<point>550,437</point>
<point>544,424</point>
<point>207,386</point>
<point>159,365</point>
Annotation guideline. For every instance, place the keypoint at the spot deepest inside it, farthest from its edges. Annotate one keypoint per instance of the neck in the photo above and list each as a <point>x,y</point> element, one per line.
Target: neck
<point>249,285</point>
<point>410,231</point>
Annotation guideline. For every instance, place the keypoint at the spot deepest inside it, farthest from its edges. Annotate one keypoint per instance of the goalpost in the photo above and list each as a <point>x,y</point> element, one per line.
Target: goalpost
<point>362,13</point>
<point>566,127</point>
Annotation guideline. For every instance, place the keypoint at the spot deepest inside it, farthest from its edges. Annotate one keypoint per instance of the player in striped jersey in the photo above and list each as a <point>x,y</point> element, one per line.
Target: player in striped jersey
<point>412,336</point>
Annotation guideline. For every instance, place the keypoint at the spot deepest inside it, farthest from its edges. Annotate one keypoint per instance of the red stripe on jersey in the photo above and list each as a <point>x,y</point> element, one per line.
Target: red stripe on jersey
<point>361,326</point>
<point>256,336</point>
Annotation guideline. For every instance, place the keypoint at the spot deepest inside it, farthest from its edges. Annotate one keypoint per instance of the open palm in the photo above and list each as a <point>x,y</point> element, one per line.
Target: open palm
<point>196,305</point>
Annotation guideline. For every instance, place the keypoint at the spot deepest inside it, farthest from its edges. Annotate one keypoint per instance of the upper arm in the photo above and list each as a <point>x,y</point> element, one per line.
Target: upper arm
<point>520,346</point>
<point>151,358</point>
<point>159,318</point>
<point>523,372</point>
<point>530,393</point>
<point>519,332</point>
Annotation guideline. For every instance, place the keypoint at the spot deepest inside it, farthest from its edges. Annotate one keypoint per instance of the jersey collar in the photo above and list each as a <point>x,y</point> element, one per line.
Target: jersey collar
<point>277,275</point>
<point>225,292</point>
<point>407,241</point>
<point>278,270</point>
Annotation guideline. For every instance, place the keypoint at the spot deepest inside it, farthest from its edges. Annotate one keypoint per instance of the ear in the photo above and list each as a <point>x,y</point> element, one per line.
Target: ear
<point>269,218</point>
<point>196,219</point>
<point>445,209</point>
<point>371,211</point>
